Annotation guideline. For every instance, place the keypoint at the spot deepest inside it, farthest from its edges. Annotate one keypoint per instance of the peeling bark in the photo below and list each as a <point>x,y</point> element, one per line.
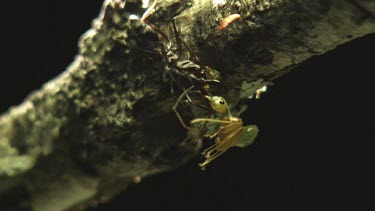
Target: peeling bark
<point>108,120</point>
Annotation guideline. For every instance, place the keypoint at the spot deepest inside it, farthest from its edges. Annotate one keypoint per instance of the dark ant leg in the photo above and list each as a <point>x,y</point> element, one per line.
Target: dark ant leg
<point>178,39</point>
<point>177,81</point>
<point>156,29</point>
<point>143,49</point>
<point>181,43</point>
<point>171,78</point>
<point>152,26</point>
<point>163,52</point>
<point>148,11</point>
<point>191,55</point>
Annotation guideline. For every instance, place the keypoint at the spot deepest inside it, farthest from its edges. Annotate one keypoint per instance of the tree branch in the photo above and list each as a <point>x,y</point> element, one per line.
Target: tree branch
<point>107,120</point>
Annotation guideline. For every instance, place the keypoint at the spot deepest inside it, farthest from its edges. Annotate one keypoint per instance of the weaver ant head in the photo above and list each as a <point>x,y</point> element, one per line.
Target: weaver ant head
<point>218,104</point>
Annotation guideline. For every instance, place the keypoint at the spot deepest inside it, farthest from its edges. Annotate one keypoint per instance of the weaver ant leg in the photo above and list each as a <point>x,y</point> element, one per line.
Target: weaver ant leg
<point>212,154</point>
<point>210,159</point>
<point>210,120</point>
<point>178,114</point>
<point>211,136</point>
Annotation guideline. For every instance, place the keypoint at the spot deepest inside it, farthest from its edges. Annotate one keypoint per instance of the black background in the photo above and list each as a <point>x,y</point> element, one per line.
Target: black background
<point>315,149</point>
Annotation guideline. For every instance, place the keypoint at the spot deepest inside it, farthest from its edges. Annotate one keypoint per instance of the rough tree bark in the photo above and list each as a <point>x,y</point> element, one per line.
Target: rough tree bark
<point>107,119</point>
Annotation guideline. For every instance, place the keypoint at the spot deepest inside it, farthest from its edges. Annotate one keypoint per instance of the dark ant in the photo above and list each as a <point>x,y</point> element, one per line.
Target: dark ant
<point>199,76</point>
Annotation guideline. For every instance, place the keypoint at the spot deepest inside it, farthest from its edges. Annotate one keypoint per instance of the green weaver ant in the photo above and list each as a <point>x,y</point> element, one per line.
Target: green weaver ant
<point>230,132</point>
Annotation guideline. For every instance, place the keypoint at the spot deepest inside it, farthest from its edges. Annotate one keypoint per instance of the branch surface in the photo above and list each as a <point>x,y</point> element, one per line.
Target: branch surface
<point>107,120</point>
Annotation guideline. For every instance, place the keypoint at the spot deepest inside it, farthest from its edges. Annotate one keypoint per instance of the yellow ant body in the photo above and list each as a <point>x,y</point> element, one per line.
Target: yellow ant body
<point>230,132</point>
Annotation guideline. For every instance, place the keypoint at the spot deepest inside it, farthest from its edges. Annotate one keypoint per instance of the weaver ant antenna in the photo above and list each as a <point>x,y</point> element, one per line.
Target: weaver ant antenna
<point>177,113</point>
